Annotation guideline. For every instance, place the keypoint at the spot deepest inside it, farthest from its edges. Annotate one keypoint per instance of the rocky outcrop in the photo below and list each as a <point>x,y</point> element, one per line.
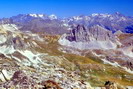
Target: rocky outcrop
<point>101,34</point>
<point>78,34</point>
<point>113,85</point>
<point>20,79</point>
<point>95,37</point>
<point>110,85</point>
<point>50,84</point>
<point>96,32</point>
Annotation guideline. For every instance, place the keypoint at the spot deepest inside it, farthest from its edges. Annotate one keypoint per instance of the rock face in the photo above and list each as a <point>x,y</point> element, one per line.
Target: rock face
<point>82,34</point>
<point>95,37</point>
<point>78,34</point>
<point>101,34</point>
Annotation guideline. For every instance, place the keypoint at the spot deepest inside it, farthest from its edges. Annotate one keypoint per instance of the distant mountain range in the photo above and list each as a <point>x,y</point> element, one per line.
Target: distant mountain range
<point>54,25</point>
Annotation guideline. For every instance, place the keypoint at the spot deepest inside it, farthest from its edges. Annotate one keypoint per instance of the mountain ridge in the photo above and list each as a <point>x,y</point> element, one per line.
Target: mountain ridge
<point>112,22</point>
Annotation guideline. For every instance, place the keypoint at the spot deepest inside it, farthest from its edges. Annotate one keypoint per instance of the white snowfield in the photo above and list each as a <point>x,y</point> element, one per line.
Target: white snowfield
<point>77,18</point>
<point>9,27</point>
<point>37,15</point>
<point>87,45</point>
<point>52,16</point>
<point>32,58</point>
<point>128,51</point>
<point>3,75</point>
<point>2,39</point>
<point>7,49</point>
<point>4,28</point>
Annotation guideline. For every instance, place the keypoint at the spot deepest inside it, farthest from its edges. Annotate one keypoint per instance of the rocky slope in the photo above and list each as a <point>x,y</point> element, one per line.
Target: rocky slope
<point>18,52</point>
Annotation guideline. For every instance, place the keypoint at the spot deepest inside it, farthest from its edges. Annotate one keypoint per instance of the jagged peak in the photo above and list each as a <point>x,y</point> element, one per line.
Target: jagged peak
<point>119,32</point>
<point>118,14</point>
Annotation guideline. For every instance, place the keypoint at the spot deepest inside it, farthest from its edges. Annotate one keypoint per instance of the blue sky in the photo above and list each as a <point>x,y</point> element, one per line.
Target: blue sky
<point>65,8</point>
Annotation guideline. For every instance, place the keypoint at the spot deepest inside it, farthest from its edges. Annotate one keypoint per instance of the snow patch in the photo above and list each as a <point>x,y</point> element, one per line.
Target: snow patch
<point>128,70</point>
<point>95,14</point>
<point>108,62</point>
<point>77,18</point>
<point>7,49</point>
<point>127,51</point>
<point>16,58</point>
<point>130,54</point>
<point>33,58</point>
<point>101,15</point>
<point>41,15</point>
<point>9,27</point>
<point>33,15</point>
<point>52,17</point>
<point>2,77</point>
<point>66,25</point>
<point>113,64</point>
<point>117,65</point>
<point>37,15</point>
<point>2,39</point>
<point>4,74</point>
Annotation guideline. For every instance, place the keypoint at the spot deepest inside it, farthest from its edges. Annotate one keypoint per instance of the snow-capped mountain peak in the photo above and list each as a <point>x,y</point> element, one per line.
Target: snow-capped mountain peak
<point>37,15</point>
<point>52,16</point>
<point>101,15</point>
<point>33,15</point>
<point>77,18</point>
<point>94,14</point>
<point>41,15</point>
